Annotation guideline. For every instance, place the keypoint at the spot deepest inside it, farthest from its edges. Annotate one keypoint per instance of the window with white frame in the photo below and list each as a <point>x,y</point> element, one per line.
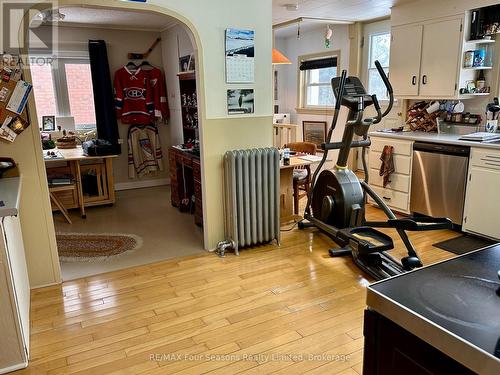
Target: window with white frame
<point>64,88</point>
<point>379,49</point>
<point>316,75</point>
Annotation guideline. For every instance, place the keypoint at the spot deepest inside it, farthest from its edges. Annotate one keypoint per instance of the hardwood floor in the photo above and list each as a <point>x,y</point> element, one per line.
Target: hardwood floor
<point>287,310</point>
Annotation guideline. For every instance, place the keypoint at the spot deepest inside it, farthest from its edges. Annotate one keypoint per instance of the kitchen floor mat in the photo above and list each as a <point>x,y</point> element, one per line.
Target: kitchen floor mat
<point>464,244</point>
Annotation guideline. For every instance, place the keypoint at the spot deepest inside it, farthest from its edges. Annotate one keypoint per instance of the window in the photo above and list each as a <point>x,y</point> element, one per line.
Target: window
<point>379,49</point>
<point>316,73</point>
<point>65,89</point>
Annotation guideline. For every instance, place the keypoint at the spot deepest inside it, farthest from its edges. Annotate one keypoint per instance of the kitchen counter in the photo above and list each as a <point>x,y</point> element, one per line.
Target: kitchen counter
<point>10,192</point>
<point>453,306</point>
<point>434,138</point>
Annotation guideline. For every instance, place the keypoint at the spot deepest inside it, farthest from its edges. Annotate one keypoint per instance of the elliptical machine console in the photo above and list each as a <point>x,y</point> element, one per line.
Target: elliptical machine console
<point>336,202</point>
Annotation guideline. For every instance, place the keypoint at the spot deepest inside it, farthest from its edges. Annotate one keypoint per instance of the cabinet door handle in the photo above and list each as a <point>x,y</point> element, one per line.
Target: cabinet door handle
<point>387,198</point>
<point>414,80</point>
<point>424,79</point>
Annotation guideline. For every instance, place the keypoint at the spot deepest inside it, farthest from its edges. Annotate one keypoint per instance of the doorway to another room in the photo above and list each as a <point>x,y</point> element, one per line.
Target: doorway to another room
<point>132,197</point>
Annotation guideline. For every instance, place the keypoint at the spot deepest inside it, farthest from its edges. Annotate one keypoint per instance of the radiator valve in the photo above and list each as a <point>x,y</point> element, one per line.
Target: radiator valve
<point>222,246</point>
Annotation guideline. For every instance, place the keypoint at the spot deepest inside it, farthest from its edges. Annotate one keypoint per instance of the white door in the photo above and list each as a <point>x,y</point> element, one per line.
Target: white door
<point>406,43</point>
<point>440,58</point>
<point>482,203</point>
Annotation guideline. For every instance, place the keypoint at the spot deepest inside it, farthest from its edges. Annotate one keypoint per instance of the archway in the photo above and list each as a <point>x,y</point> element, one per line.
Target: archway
<point>144,9</point>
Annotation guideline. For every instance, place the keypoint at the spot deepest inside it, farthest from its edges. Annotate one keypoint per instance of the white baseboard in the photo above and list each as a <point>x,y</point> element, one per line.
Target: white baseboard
<point>141,184</point>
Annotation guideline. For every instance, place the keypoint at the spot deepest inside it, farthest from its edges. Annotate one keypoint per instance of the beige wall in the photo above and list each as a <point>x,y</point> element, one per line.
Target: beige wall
<point>207,20</point>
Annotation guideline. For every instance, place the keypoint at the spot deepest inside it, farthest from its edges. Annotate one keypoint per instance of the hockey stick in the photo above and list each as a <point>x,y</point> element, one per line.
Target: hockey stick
<point>140,56</point>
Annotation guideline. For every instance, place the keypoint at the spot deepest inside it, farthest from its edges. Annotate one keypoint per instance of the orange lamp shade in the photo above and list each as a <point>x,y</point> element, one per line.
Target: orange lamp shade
<point>279,58</point>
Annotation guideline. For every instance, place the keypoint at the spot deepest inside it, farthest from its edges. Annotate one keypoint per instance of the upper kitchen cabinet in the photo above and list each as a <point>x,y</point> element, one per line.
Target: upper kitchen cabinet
<point>425,59</point>
<point>406,48</point>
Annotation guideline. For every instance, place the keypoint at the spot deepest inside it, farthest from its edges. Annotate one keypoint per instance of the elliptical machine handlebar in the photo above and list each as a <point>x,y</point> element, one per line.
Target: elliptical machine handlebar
<point>388,86</point>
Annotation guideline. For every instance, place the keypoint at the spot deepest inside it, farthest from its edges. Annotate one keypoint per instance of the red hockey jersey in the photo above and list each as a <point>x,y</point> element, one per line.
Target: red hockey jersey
<point>133,96</point>
<point>159,94</point>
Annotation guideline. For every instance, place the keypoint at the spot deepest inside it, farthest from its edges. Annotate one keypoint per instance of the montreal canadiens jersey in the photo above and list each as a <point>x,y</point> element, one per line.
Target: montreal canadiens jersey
<point>159,94</point>
<point>133,96</point>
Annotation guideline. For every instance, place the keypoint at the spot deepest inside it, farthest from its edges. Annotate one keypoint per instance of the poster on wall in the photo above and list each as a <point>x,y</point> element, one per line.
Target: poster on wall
<point>240,56</point>
<point>240,101</point>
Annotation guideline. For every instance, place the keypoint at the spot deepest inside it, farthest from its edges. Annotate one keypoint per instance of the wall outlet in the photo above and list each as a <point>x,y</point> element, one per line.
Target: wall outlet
<point>120,141</point>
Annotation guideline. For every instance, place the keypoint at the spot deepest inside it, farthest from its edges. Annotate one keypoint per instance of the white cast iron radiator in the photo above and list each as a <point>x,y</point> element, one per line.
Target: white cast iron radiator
<point>251,198</point>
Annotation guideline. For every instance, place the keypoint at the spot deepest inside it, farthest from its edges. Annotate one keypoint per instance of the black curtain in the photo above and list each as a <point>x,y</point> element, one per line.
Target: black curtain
<point>104,101</point>
<point>326,62</point>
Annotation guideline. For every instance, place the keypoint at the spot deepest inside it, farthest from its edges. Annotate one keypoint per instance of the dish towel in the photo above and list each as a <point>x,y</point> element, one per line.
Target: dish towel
<point>387,167</point>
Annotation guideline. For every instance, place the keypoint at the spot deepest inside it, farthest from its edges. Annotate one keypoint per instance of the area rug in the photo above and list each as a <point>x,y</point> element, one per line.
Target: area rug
<point>92,247</point>
<point>464,244</point>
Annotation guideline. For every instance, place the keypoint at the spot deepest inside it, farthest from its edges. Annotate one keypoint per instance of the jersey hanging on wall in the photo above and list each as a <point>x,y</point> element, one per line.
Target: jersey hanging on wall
<point>133,96</point>
<point>159,94</point>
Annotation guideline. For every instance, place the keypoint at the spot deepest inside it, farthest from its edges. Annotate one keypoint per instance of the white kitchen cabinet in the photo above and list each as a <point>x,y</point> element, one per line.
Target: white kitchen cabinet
<point>406,47</point>
<point>425,59</point>
<point>481,201</point>
<point>397,192</point>
<point>440,64</point>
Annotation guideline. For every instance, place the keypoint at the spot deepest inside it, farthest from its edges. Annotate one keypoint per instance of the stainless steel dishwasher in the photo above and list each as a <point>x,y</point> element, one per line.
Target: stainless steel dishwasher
<point>439,176</point>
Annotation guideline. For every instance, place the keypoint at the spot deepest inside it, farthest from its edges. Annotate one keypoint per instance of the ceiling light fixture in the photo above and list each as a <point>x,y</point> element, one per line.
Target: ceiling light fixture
<point>52,15</point>
<point>291,7</point>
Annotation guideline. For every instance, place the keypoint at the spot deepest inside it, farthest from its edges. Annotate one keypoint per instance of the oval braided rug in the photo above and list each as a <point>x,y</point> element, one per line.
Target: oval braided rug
<point>91,247</point>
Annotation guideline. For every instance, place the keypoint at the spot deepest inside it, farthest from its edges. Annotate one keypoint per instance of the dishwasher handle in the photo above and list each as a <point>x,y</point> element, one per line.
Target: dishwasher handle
<point>440,148</point>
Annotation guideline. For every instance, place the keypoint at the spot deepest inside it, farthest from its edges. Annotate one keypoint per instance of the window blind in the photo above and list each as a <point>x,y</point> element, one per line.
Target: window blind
<point>327,62</point>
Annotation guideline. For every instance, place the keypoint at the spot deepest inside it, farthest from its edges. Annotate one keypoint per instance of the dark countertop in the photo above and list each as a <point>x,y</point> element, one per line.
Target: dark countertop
<point>453,305</point>
<point>10,192</point>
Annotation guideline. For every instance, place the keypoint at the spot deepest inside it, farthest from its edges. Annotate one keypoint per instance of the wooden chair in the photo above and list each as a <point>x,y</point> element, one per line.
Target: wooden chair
<point>301,175</point>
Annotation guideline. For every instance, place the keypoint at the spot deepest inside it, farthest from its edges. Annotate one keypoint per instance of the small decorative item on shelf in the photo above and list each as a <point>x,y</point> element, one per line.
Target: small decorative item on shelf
<point>480,82</point>
<point>491,29</point>
<point>67,140</point>
<point>479,58</point>
<point>469,59</point>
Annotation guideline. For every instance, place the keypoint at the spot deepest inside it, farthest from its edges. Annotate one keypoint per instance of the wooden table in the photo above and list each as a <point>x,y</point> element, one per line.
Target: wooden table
<point>286,189</point>
<point>103,165</point>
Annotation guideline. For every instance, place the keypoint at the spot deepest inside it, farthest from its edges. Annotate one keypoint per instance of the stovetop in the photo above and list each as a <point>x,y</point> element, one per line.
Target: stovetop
<point>461,295</point>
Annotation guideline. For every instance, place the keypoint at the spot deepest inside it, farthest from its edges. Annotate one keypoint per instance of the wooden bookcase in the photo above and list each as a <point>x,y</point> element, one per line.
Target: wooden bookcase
<point>188,96</point>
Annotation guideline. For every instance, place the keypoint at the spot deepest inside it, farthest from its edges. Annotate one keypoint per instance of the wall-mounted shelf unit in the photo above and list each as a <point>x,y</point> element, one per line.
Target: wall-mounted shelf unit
<point>480,41</point>
<point>479,68</point>
<point>189,106</point>
<point>468,96</point>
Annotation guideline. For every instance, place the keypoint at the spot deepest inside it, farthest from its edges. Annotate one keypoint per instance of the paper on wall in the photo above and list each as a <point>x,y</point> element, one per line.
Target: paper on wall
<point>19,97</point>
<point>7,133</point>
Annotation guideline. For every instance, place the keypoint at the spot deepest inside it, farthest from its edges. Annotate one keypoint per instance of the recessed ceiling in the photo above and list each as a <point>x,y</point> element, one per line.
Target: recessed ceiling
<point>354,10</point>
<point>114,18</point>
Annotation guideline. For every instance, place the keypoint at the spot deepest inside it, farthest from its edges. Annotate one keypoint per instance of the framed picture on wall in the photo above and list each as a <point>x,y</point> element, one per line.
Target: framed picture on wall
<point>314,132</point>
<point>48,123</point>
<point>184,63</point>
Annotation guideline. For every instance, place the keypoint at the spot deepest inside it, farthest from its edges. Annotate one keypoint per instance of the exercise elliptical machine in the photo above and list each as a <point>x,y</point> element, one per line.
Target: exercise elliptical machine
<point>336,202</point>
